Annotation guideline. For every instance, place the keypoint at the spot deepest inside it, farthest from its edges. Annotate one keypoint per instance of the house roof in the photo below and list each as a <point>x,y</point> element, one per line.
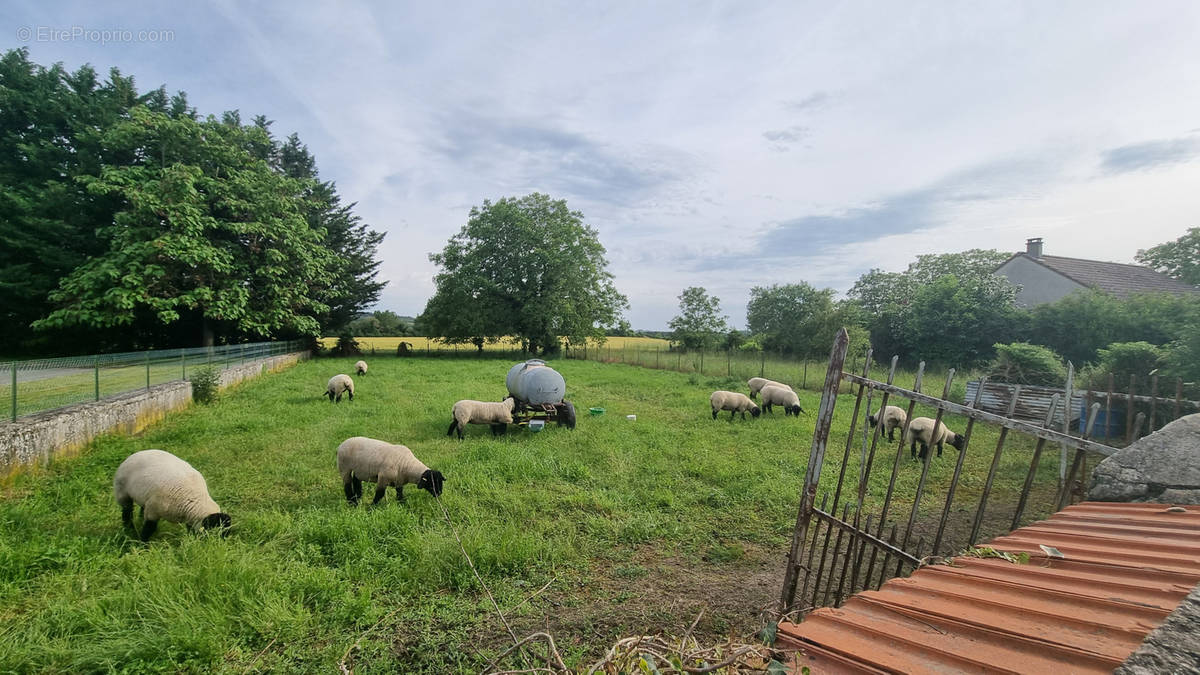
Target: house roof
<point>1119,279</point>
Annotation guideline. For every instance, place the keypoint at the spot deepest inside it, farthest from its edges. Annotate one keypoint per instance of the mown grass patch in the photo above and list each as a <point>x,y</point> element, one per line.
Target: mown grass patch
<point>621,515</point>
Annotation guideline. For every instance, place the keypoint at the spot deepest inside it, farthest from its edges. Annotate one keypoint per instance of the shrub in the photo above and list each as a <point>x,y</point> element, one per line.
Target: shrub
<point>346,345</point>
<point>1130,358</point>
<point>205,382</point>
<point>1023,363</point>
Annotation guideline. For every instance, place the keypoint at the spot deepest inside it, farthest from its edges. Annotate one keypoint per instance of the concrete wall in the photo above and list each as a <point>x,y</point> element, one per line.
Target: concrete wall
<point>37,439</point>
<point>1038,283</point>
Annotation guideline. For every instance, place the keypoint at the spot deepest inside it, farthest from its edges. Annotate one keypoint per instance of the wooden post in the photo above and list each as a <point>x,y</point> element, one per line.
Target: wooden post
<point>14,391</point>
<point>147,371</point>
<point>1129,409</point>
<point>97,371</point>
<point>1066,425</point>
<point>1178,398</point>
<point>1108,421</point>
<point>1153,402</point>
<point>762,363</point>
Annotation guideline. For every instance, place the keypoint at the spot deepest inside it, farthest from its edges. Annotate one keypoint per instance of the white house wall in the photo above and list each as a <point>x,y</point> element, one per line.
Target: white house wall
<point>1038,284</point>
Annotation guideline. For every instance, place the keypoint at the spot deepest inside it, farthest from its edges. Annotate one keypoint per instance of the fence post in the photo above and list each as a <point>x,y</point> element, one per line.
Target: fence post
<point>701,360</point>
<point>729,363</point>
<point>804,384</point>
<point>147,370</point>
<point>1066,425</point>
<point>1129,410</point>
<point>657,354</point>
<point>182,363</point>
<point>97,378</point>
<point>762,363</point>
<point>816,457</point>
<point>1153,402</point>
<point>14,391</point>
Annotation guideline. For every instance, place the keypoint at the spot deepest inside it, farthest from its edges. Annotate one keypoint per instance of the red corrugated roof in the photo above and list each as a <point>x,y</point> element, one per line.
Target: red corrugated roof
<point>1127,566</point>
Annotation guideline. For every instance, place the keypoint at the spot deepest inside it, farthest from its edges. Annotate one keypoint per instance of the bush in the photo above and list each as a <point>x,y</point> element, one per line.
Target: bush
<point>1130,358</point>
<point>346,345</point>
<point>205,382</point>
<point>1023,363</point>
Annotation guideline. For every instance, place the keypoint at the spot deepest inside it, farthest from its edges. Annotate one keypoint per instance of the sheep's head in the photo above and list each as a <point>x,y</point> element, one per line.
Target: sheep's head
<point>795,410</point>
<point>217,521</point>
<point>432,481</point>
<point>755,411</point>
<point>872,420</point>
<point>958,441</point>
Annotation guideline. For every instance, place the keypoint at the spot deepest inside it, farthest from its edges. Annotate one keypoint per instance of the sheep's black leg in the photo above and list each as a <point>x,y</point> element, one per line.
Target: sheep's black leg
<point>380,491</point>
<point>357,489</point>
<point>892,435</point>
<point>913,450</point>
<point>450,430</point>
<point>714,414</point>
<point>400,493</point>
<point>127,514</point>
<point>148,528</point>
<point>351,497</point>
<point>940,448</point>
<point>350,394</point>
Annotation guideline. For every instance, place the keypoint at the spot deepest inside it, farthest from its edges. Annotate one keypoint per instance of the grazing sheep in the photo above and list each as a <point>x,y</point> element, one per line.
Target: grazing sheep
<point>339,384</point>
<point>733,402</point>
<point>360,368</point>
<point>498,415</point>
<point>773,395</point>
<point>893,418</point>
<point>920,430</point>
<point>166,487</point>
<point>757,383</point>
<point>384,464</point>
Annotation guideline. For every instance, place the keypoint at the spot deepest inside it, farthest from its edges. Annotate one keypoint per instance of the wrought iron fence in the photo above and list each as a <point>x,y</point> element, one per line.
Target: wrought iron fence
<point>45,384</point>
<point>853,542</point>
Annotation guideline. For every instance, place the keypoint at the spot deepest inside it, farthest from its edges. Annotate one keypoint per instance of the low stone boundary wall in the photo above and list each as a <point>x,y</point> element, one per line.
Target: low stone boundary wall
<point>39,438</point>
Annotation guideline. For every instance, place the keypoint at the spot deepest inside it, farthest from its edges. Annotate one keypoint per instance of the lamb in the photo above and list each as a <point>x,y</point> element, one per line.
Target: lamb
<point>921,430</point>
<point>360,368</point>
<point>339,384</point>
<point>893,418</point>
<point>733,402</point>
<point>757,383</point>
<point>773,395</point>
<point>166,487</point>
<point>498,415</point>
<point>385,464</point>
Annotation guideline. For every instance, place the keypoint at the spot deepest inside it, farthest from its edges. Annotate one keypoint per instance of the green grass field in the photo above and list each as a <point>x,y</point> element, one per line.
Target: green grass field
<point>637,525</point>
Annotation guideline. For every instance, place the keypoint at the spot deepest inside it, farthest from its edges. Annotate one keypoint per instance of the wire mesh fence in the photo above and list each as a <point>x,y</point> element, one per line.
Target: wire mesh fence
<point>28,387</point>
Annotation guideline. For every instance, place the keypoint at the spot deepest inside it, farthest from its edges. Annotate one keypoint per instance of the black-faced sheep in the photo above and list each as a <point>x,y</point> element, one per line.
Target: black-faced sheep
<point>734,402</point>
<point>893,419</point>
<point>498,415</point>
<point>167,488</point>
<point>920,430</point>
<point>360,367</point>
<point>773,395</point>
<point>384,464</point>
<point>757,383</point>
<point>338,385</point>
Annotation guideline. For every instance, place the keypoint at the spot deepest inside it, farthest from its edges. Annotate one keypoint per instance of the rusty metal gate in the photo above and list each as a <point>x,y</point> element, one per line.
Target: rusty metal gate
<point>837,548</point>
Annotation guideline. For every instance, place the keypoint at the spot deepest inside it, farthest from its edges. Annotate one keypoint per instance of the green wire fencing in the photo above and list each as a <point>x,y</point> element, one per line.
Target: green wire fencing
<point>29,387</point>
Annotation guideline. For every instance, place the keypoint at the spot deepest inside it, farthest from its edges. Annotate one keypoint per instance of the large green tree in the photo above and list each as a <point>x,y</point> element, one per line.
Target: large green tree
<point>699,324</point>
<point>527,267</point>
<point>794,318</point>
<point>208,235</point>
<point>1179,258</point>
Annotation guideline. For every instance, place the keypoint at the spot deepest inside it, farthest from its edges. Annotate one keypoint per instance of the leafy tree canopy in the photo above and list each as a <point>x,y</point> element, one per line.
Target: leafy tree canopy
<point>795,318</point>
<point>1179,259</point>
<point>699,324</point>
<point>527,267</point>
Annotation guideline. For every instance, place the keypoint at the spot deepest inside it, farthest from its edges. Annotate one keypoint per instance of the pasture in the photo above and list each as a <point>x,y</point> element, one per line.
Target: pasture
<point>636,526</point>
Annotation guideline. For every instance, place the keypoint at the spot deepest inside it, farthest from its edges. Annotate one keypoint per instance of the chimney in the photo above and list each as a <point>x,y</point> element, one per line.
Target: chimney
<point>1033,247</point>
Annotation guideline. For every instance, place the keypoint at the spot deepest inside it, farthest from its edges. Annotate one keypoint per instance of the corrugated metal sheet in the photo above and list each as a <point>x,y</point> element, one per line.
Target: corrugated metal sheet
<point>1032,404</point>
<point>1127,566</point>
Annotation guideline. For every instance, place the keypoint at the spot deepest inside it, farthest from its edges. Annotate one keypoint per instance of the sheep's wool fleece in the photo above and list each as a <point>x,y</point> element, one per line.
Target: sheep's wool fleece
<point>920,428</point>
<point>892,416</point>
<point>360,366</point>
<point>166,486</point>
<point>756,384</point>
<point>730,400</point>
<point>339,383</point>
<point>779,396</point>
<point>484,412</point>
<point>376,461</point>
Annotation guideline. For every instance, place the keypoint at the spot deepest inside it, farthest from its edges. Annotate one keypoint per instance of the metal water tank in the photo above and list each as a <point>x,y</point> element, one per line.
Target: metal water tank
<point>535,383</point>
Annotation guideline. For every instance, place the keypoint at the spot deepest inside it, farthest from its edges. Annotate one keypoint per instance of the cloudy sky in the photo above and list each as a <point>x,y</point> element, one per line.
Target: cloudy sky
<point>726,145</point>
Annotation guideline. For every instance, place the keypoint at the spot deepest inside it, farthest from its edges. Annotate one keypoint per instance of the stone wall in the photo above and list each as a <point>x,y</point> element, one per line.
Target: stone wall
<point>1163,467</point>
<point>39,438</point>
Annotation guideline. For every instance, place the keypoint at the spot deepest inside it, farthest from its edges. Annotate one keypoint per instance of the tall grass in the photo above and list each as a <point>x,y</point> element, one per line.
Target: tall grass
<point>303,576</point>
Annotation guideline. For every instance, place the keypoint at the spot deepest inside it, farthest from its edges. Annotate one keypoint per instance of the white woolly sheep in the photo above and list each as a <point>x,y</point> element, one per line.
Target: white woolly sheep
<point>893,418</point>
<point>498,415</point>
<point>167,488</point>
<point>384,464</point>
<point>360,368</point>
<point>732,401</point>
<point>773,395</point>
<point>757,383</point>
<point>920,430</point>
<point>339,384</point>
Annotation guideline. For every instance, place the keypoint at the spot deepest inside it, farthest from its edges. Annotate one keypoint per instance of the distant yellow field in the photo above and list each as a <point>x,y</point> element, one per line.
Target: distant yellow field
<point>509,344</point>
